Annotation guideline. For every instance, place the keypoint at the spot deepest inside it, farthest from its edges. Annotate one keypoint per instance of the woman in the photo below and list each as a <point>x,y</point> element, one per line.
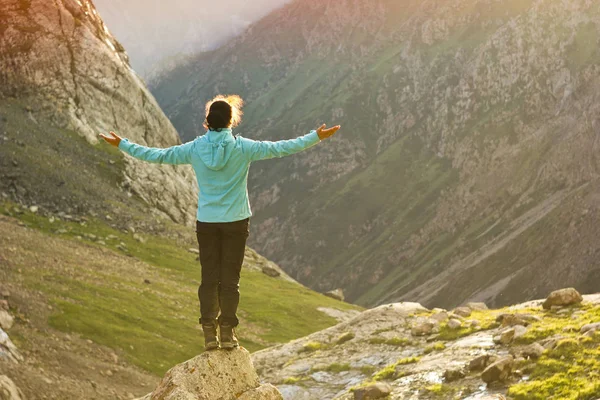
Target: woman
<point>221,162</point>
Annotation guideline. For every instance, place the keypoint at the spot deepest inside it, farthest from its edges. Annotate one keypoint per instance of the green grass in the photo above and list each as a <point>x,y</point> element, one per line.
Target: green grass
<point>395,341</point>
<point>156,325</point>
<point>389,372</point>
<point>335,368</point>
<point>570,371</point>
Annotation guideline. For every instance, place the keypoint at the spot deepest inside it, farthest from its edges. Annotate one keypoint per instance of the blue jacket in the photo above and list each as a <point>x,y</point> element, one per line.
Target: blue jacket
<point>221,162</point>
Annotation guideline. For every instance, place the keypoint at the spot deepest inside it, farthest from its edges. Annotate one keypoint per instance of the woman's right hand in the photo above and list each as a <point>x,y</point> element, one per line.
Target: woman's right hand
<point>325,133</point>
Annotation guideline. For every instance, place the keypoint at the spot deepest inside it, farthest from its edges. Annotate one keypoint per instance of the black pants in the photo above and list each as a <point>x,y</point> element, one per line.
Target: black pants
<point>222,246</point>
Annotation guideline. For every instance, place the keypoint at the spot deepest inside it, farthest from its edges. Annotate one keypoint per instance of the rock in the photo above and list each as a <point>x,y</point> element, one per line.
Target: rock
<point>270,271</point>
<point>5,294</point>
<point>215,375</point>
<point>533,351</point>
<point>8,351</point>
<point>477,306</point>
<point>517,319</point>
<point>6,320</point>
<point>480,363</point>
<point>505,336</point>
<point>550,343</point>
<point>194,250</point>
<point>462,311</point>
<point>34,209</point>
<point>8,389</point>
<point>454,324</point>
<point>562,297</point>
<point>453,375</point>
<point>498,371</point>
<point>424,327</point>
<point>440,316</point>
<point>519,331</point>
<point>4,305</point>
<point>263,392</point>
<point>337,294</point>
<point>377,390</point>
<point>590,327</point>
<point>147,281</point>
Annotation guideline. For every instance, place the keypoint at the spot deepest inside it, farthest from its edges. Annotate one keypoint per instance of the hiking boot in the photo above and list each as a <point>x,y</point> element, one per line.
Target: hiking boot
<point>228,338</point>
<point>211,342</point>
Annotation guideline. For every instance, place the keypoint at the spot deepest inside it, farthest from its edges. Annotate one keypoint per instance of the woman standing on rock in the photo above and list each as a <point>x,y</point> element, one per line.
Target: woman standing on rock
<point>221,162</point>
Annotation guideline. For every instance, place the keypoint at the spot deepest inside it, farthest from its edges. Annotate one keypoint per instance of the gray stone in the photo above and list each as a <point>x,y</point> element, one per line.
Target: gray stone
<point>481,362</point>
<point>6,320</point>
<point>562,298</point>
<point>337,294</point>
<point>440,316</point>
<point>454,324</point>
<point>270,271</point>
<point>464,312</point>
<point>453,375</point>
<point>8,351</point>
<point>263,392</point>
<point>377,390</point>
<point>424,327</point>
<point>477,306</point>
<point>533,351</point>
<point>498,371</point>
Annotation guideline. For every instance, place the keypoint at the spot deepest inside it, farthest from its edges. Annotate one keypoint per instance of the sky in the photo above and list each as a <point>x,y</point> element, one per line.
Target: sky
<point>154,30</point>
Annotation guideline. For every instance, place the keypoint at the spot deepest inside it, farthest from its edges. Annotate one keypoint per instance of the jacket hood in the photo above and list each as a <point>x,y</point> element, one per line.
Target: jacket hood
<point>216,148</point>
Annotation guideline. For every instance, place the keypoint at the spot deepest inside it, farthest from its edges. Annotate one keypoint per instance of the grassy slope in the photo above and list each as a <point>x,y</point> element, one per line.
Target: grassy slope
<point>155,325</point>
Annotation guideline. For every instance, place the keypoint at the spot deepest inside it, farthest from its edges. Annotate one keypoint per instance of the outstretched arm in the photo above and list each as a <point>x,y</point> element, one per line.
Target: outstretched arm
<point>175,155</point>
<point>263,150</point>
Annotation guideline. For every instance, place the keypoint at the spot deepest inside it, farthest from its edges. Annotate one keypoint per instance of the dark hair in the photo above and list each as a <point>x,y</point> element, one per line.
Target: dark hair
<point>223,112</point>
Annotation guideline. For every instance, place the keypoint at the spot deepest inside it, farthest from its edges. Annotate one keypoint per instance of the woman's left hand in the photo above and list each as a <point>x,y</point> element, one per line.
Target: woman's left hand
<point>114,140</point>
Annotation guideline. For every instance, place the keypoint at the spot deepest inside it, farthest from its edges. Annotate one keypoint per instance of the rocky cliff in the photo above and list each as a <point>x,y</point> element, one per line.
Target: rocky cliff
<point>59,60</point>
<point>467,166</point>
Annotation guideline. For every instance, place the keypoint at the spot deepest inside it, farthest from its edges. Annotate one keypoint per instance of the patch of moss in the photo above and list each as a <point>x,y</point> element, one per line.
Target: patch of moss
<point>292,380</point>
<point>389,372</point>
<point>570,371</point>
<point>344,337</point>
<point>310,347</point>
<point>440,390</point>
<point>335,367</point>
<point>395,341</point>
<point>438,346</point>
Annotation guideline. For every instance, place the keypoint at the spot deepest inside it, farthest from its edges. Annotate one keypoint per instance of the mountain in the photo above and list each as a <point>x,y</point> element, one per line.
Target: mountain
<point>155,31</point>
<point>99,271</point>
<point>60,65</point>
<point>467,163</point>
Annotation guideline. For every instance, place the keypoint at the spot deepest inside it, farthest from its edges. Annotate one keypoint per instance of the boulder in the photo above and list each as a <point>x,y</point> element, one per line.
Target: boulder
<point>562,298</point>
<point>219,375</point>
<point>452,375</point>
<point>337,294</point>
<point>424,327</point>
<point>519,331</point>
<point>8,351</point>
<point>4,305</point>
<point>270,271</point>
<point>454,324</point>
<point>533,351</point>
<point>498,371</point>
<point>480,363</point>
<point>440,316</point>
<point>377,390</point>
<point>464,312</point>
<point>6,320</point>
<point>477,306</point>
<point>505,336</point>
<point>8,389</point>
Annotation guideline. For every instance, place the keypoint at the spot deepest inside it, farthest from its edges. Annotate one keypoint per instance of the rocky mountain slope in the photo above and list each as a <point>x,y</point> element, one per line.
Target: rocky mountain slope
<point>536,350</point>
<point>467,166</point>
<point>59,62</point>
<point>154,32</point>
